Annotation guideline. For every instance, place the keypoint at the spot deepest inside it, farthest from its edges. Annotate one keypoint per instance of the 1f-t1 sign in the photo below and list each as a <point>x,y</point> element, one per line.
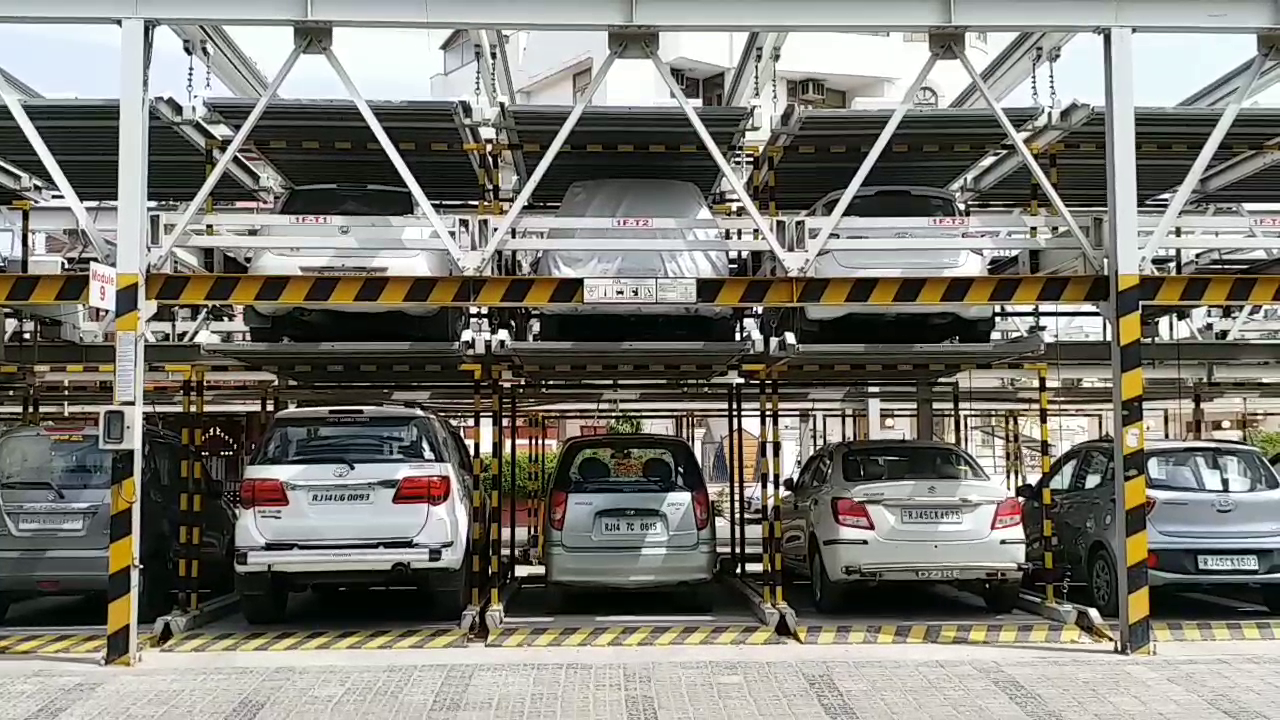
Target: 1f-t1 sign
<point>102,286</point>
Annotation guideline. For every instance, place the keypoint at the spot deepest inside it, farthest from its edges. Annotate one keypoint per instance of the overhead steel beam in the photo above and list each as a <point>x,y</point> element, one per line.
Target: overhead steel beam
<point>200,134</point>
<point>1049,129</point>
<point>232,66</point>
<point>21,89</point>
<point>1219,92</point>
<point>755,64</point>
<point>1010,67</point>
<point>1194,16</point>
<point>12,177</point>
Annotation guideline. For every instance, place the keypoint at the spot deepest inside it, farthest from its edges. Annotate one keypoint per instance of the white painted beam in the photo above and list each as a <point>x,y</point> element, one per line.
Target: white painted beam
<point>1224,16</point>
<point>1011,67</point>
<point>1217,93</point>
<point>231,65</point>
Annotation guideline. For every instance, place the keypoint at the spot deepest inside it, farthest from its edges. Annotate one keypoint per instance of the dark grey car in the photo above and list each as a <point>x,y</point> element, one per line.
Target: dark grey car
<point>1213,518</point>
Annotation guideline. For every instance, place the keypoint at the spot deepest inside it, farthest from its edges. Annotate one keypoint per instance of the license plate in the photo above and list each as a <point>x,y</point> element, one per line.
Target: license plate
<point>340,497</point>
<point>1227,562</point>
<point>631,527</point>
<point>938,574</point>
<point>47,522</point>
<point>932,515</point>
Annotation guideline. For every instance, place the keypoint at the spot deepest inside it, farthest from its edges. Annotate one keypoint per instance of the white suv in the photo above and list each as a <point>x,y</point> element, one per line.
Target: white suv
<point>354,497</point>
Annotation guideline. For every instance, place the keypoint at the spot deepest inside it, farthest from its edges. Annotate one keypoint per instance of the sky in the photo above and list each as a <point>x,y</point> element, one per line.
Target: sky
<point>81,61</point>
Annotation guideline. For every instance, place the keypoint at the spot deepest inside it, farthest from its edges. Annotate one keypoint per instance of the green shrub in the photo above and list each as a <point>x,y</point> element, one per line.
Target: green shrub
<point>626,424</point>
<point>526,480</point>
<point>1268,441</point>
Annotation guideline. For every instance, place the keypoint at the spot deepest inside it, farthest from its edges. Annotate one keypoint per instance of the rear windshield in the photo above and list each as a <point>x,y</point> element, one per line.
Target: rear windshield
<point>628,465</point>
<point>345,438</point>
<point>897,203</point>
<point>908,463</point>
<point>347,201</point>
<point>1210,470</point>
<point>63,461</point>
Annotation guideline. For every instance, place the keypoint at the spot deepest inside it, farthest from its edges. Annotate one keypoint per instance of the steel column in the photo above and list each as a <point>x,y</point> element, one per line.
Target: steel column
<point>124,562</point>
<point>1046,493</point>
<point>742,479</point>
<point>775,511</point>
<point>731,456</point>
<point>479,516</point>
<point>924,411</point>
<point>494,242</point>
<point>495,491</point>
<point>1197,415</point>
<point>955,418</point>
<point>514,494</point>
<point>763,472</point>
<point>1125,318</point>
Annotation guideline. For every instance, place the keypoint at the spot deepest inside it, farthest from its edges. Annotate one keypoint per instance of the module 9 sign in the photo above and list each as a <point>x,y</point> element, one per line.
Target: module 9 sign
<point>102,286</point>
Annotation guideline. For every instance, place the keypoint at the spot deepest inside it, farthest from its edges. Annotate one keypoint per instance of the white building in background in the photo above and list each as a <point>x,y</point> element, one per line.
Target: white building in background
<point>835,70</point>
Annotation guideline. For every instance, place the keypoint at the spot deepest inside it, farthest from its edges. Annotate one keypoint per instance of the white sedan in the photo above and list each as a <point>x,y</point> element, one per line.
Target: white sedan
<point>904,510</point>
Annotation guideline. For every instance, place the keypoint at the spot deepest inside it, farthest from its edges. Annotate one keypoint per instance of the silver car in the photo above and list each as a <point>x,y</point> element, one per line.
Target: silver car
<point>1213,517</point>
<point>628,512</point>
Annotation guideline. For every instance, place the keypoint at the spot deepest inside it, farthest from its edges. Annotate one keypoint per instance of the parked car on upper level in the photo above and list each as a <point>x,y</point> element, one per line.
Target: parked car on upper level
<point>354,497</point>
<point>876,511</point>
<point>1213,518</point>
<point>618,322</point>
<point>315,207</point>
<point>901,323</point>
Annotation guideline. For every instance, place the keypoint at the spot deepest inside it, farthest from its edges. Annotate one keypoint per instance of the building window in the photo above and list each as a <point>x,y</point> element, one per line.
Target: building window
<point>833,98</point>
<point>581,83</point>
<point>458,52</point>
<point>713,91</point>
<point>916,37</point>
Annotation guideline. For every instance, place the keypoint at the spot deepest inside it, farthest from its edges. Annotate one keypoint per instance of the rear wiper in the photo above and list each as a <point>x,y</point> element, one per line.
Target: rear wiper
<point>18,482</point>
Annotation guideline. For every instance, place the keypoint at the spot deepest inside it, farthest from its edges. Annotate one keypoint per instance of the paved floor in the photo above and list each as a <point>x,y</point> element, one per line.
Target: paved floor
<point>1230,681</point>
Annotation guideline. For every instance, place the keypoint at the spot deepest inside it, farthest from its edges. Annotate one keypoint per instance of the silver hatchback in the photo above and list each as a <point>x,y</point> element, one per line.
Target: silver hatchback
<point>628,511</point>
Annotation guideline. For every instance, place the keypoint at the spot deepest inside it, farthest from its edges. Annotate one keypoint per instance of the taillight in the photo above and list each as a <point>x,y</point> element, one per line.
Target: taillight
<point>429,490</point>
<point>559,505</point>
<point>701,508</point>
<point>851,513</point>
<point>1008,514</point>
<point>1151,505</point>
<point>262,493</point>
<point>1151,561</point>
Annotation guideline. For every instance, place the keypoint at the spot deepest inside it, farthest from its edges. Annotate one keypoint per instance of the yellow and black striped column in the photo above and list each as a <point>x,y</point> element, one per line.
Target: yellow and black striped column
<point>478,529</point>
<point>1132,491</point>
<point>122,547</point>
<point>1047,534</point>
<point>495,494</point>
<point>764,472</point>
<point>775,511</point>
<point>181,549</point>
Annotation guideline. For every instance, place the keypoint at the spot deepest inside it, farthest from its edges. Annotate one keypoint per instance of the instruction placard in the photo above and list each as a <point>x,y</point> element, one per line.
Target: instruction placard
<point>628,291</point>
<point>683,291</point>
<point>126,354</point>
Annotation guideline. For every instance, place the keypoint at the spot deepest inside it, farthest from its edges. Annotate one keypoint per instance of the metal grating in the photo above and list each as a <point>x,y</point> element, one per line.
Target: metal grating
<point>325,141</point>
<point>84,137</point>
<point>931,147</point>
<point>626,143</point>
<point>1168,141</point>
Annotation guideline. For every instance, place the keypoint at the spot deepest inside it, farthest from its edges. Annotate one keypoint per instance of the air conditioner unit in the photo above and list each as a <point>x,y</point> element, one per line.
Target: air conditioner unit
<point>811,90</point>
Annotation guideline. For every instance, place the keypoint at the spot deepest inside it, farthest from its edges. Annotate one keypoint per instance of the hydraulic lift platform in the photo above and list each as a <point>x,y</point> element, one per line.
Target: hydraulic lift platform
<point>690,361</point>
<point>866,362</point>
<point>357,363</point>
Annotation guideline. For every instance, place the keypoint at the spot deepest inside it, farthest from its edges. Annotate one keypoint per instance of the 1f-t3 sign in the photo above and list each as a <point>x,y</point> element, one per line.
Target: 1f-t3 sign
<point>102,287</point>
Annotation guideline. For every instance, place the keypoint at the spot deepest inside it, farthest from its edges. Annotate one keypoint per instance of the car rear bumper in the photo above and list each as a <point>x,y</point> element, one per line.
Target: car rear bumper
<point>1162,578</point>
<point>445,556</point>
<point>654,567</point>
<point>992,559</point>
<point>53,572</point>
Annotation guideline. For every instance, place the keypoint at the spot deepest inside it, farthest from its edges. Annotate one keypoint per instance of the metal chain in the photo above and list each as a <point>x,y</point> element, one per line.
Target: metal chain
<point>208,67</point>
<point>1036,56</point>
<point>477,88</point>
<point>1053,86</point>
<point>191,74</point>
<point>776,54</point>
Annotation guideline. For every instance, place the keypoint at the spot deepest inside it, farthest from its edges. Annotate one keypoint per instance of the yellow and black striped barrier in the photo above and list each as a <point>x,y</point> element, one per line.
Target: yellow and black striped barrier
<point>942,634</point>
<point>1191,290</point>
<point>633,636</point>
<point>279,641</point>
<point>1128,329</point>
<point>57,643</point>
<point>121,592</point>
<point>1214,630</point>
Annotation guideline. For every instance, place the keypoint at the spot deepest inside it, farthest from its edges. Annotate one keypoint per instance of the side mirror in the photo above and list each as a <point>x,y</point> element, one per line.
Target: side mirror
<point>1026,492</point>
<point>789,484</point>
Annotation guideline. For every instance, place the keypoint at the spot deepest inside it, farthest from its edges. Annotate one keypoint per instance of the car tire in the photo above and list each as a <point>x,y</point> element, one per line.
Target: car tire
<point>265,608</point>
<point>154,598</point>
<point>450,591</point>
<point>828,596</point>
<point>1100,592</point>
<point>1001,597</point>
<point>1270,598</point>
